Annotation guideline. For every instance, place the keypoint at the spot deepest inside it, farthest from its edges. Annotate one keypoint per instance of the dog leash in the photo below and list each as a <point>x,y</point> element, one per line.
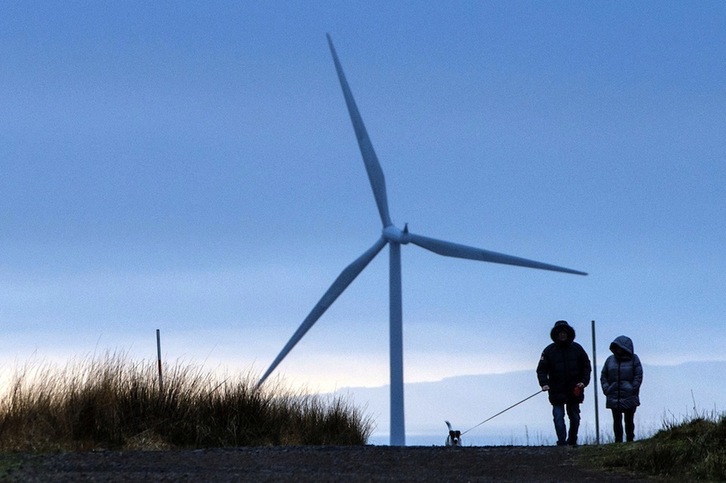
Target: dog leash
<point>502,411</point>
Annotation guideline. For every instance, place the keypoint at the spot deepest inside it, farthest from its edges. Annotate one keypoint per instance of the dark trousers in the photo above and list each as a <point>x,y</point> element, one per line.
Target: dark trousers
<point>573,414</point>
<point>629,424</point>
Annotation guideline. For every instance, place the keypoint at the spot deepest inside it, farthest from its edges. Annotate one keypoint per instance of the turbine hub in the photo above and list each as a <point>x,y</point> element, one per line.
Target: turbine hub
<point>394,234</point>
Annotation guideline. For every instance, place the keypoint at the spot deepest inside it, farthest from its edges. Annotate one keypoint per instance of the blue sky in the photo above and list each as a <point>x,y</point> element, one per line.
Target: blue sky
<point>190,166</point>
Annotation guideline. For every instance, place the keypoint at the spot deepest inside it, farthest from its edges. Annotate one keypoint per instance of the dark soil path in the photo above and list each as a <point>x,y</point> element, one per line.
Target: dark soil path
<point>315,464</point>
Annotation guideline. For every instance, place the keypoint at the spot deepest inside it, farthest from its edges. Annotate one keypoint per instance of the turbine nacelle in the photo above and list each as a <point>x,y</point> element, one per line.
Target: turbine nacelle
<point>393,234</point>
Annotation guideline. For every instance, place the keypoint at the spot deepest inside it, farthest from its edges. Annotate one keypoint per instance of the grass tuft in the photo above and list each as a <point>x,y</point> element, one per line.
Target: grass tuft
<point>111,402</point>
<point>694,449</point>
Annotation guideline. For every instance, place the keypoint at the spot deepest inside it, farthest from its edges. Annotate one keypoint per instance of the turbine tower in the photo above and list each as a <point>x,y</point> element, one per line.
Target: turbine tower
<point>394,237</point>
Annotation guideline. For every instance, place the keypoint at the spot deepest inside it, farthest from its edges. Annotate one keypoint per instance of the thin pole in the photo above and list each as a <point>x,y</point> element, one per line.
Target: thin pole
<point>158,360</point>
<point>594,385</point>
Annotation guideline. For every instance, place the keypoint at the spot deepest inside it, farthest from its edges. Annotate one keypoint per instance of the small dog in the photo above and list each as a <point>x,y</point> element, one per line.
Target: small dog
<point>454,437</point>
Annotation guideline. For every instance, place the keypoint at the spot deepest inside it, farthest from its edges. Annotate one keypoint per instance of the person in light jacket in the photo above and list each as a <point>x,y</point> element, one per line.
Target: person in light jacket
<point>621,377</point>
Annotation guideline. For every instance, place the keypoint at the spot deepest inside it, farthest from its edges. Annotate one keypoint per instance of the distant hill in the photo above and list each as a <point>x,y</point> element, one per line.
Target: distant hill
<point>669,393</point>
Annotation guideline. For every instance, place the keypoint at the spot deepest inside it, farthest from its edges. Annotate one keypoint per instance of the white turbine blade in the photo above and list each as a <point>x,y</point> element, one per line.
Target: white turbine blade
<point>341,283</point>
<point>373,167</point>
<point>462,251</point>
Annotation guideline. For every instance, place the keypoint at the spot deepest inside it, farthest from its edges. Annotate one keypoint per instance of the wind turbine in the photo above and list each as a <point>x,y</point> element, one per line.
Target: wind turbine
<point>394,237</point>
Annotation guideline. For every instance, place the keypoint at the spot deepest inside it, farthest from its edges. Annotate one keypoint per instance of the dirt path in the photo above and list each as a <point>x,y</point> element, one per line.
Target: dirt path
<point>315,463</point>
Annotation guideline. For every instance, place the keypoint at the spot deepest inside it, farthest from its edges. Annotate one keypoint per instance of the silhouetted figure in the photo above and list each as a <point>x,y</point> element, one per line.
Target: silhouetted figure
<point>564,371</point>
<point>621,377</point>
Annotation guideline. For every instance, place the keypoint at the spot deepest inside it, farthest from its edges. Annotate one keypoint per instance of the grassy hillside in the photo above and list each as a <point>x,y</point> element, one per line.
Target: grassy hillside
<point>692,450</point>
<point>111,402</point>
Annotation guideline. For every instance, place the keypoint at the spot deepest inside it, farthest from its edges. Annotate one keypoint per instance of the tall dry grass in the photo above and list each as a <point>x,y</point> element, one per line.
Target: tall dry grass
<point>111,402</point>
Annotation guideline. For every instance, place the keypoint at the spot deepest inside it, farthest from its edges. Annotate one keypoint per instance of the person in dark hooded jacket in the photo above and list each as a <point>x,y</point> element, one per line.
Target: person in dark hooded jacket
<point>620,379</point>
<point>564,371</point>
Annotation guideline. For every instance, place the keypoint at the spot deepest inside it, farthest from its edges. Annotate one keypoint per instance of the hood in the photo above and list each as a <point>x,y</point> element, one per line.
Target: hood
<point>562,325</point>
<point>623,343</point>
